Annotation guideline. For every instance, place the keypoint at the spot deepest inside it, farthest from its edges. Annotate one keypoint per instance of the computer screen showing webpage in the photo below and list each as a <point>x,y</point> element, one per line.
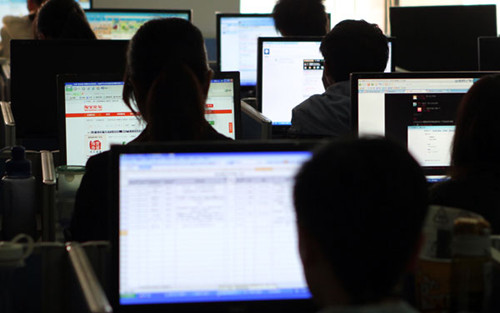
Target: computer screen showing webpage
<point>238,44</point>
<point>12,7</point>
<point>123,25</point>
<point>208,227</point>
<point>219,109</point>
<point>96,118</point>
<point>417,112</point>
<point>291,73</point>
<point>85,4</point>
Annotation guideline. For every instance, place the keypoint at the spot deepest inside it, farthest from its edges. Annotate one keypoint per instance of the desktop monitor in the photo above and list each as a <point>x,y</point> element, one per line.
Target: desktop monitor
<point>237,43</point>
<point>92,115</point>
<point>290,70</point>
<point>206,227</point>
<point>85,4</point>
<point>124,23</point>
<point>440,38</point>
<point>417,110</point>
<point>489,52</point>
<point>12,7</point>
<point>34,81</point>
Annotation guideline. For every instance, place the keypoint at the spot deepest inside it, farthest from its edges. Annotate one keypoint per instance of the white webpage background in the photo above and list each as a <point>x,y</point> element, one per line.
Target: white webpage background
<point>108,130</point>
<point>431,145</point>
<point>221,97</point>
<point>285,83</point>
<point>210,223</point>
<point>239,43</point>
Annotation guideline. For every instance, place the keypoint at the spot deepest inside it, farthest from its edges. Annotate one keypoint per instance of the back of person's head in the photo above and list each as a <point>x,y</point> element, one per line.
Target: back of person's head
<point>476,145</point>
<point>300,17</point>
<point>62,19</point>
<point>363,202</point>
<point>354,46</point>
<point>167,77</point>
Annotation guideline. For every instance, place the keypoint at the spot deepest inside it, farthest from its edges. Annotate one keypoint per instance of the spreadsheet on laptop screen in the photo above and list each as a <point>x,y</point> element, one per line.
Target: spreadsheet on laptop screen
<point>96,118</point>
<point>238,44</point>
<point>291,73</point>
<point>417,112</point>
<point>123,25</point>
<point>208,227</point>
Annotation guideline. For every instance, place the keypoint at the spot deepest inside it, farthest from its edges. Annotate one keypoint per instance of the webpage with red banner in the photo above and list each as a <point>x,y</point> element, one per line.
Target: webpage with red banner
<point>96,118</point>
<point>219,110</point>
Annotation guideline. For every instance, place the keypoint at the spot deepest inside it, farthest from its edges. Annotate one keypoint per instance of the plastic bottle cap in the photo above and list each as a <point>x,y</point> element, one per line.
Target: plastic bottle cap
<point>18,166</point>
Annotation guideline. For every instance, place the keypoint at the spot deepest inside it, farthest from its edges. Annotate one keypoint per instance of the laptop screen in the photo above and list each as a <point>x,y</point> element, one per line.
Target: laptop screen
<point>108,24</point>
<point>208,227</point>
<point>237,43</point>
<point>417,110</point>
<point>95,119</point>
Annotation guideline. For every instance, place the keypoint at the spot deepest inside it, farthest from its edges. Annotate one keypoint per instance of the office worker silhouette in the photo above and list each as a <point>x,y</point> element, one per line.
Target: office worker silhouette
<point>167,79</point>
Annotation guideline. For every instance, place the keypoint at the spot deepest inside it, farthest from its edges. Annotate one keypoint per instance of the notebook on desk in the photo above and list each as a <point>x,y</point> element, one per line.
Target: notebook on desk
<point>93,116</point>
<point>206,226</point>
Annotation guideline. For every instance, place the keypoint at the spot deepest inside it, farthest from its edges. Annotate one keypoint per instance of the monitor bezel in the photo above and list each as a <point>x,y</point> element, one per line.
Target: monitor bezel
<point>195,147</point>
<point>236,98</point>
<point>276,128</point>
<point>62,79</point>
<point>173,11</point>
<point>481,40</point>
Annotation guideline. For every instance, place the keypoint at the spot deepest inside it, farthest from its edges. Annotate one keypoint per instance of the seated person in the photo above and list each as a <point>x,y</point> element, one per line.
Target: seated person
<point>351,46</point>
<point>360,208</point>
<point>474,183</point>
<point>18,27</point>
<point>300,18</point>
<point>167,78</point>
<point>62,19</point>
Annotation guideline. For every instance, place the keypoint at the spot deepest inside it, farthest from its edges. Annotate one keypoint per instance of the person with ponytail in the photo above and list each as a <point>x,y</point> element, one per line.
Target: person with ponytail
<point>166,82</point>
<point>62,19</point>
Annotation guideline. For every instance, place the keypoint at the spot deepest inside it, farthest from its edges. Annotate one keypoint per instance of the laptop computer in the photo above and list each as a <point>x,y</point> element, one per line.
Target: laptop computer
<point>93,116</point>
<point>417,110</point>
<point>124,23</point>
<point>207,226</point>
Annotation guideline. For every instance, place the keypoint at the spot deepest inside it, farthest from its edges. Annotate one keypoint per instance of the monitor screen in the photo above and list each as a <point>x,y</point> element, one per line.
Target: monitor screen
<point>291,71</point>
<point>237,43</point>
<point>96,118</point>
<point>208,227</point>
<point>12,7</point>
<point>123,24</point>
<point>220,107</point>
<point>417,110</point>
<point>426,41</point>
<point>85,4</point>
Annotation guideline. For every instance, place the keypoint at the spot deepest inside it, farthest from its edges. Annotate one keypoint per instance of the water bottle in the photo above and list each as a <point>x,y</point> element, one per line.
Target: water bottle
<point>18,197</point>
